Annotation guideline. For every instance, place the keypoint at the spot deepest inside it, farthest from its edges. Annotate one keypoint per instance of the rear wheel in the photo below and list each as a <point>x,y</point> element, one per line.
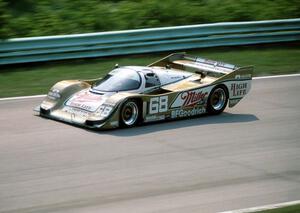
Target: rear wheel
<point>217,100</point>
<point>130,113</point>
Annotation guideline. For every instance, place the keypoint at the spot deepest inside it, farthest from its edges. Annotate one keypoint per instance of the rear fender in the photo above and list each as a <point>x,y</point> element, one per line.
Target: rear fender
<point>238,84</point>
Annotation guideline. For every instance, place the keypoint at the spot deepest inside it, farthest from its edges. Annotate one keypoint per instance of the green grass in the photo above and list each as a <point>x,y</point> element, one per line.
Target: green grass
<point>31,79</point>
<point>289,209</point>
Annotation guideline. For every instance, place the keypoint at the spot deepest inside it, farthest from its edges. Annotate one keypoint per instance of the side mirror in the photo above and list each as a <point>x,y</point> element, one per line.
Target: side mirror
<point>116,65</point>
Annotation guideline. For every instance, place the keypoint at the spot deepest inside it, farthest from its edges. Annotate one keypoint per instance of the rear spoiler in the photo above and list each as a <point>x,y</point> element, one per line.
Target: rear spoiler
<point>182,60</point>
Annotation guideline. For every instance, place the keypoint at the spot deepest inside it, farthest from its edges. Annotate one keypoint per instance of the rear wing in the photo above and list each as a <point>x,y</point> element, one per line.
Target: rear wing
<point>183,61</point>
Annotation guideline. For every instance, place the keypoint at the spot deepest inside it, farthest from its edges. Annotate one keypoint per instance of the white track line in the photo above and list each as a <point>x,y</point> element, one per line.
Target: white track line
<point>276,76</point>
<point>266,207</point>
<point>22,97</point>
<point>40,96</point>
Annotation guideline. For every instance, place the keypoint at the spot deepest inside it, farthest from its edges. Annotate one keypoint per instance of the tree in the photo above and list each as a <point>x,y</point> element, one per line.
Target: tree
<point>4,21</point>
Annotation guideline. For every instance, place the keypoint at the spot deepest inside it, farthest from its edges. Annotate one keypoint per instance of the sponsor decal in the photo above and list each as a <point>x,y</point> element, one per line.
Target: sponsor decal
<point>155,118</point>
<point>86,100</point>
<point>180,113</point>
<point>239,89</point>
<point>82,106</point>
<point>74,111</point>
<point>190,98</point>
<point>245,76</point>
<point>215,63</point>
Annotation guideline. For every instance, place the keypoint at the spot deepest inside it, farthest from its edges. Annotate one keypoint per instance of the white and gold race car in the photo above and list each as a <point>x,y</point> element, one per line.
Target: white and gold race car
<point>176,86</point>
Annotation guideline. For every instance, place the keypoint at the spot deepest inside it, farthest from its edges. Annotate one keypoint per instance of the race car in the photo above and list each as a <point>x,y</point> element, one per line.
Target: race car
<point>173,87</point>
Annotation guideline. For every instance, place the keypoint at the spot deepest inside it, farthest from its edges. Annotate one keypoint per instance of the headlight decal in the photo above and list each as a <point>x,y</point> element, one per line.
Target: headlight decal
<point>54,94</point>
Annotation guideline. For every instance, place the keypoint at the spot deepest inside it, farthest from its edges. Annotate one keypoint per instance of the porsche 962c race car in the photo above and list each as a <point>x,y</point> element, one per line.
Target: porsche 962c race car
<point>176,86</point>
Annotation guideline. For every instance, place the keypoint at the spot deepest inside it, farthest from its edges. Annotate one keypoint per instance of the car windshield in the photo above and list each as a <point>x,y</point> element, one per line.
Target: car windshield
<point>120,79</point>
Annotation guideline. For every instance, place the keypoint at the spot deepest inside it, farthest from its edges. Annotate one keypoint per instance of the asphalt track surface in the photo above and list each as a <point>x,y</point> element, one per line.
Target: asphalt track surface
<point>248,156</point>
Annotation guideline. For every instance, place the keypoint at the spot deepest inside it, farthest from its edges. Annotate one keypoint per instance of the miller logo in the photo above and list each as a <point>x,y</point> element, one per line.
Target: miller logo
<point>190,99</point>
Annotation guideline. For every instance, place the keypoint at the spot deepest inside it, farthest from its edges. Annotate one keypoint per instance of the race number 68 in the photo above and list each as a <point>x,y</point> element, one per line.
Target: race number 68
<point>158,104</point>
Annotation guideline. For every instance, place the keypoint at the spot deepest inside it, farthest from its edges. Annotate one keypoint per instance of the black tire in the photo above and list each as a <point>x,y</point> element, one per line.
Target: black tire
<point>217,100</point>
<point>130,113</point>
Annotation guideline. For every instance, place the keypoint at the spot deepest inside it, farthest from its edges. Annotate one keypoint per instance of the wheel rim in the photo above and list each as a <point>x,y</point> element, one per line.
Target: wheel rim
<point>218,99</point>
<point>130,113</point>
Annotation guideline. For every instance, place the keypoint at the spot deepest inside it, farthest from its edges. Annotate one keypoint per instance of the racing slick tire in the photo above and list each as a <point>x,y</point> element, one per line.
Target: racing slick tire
<point>130,113</point>
<point>217,100</point>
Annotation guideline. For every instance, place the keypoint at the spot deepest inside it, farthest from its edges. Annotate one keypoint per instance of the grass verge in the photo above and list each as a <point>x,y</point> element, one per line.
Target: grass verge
<point>288,209</point>
<point>32,79</point>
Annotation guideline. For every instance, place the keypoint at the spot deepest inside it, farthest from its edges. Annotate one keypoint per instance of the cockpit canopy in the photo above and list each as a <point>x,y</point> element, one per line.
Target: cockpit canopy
<point>131,78</point>
<point>120,79</point>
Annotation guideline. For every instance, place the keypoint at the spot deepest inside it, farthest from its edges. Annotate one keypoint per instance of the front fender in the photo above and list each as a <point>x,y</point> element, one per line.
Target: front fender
<point>61,91</point>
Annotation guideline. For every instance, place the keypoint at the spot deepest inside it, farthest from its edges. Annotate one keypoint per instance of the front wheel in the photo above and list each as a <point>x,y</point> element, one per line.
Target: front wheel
<point>217,100</point>
<point>130,113</point>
